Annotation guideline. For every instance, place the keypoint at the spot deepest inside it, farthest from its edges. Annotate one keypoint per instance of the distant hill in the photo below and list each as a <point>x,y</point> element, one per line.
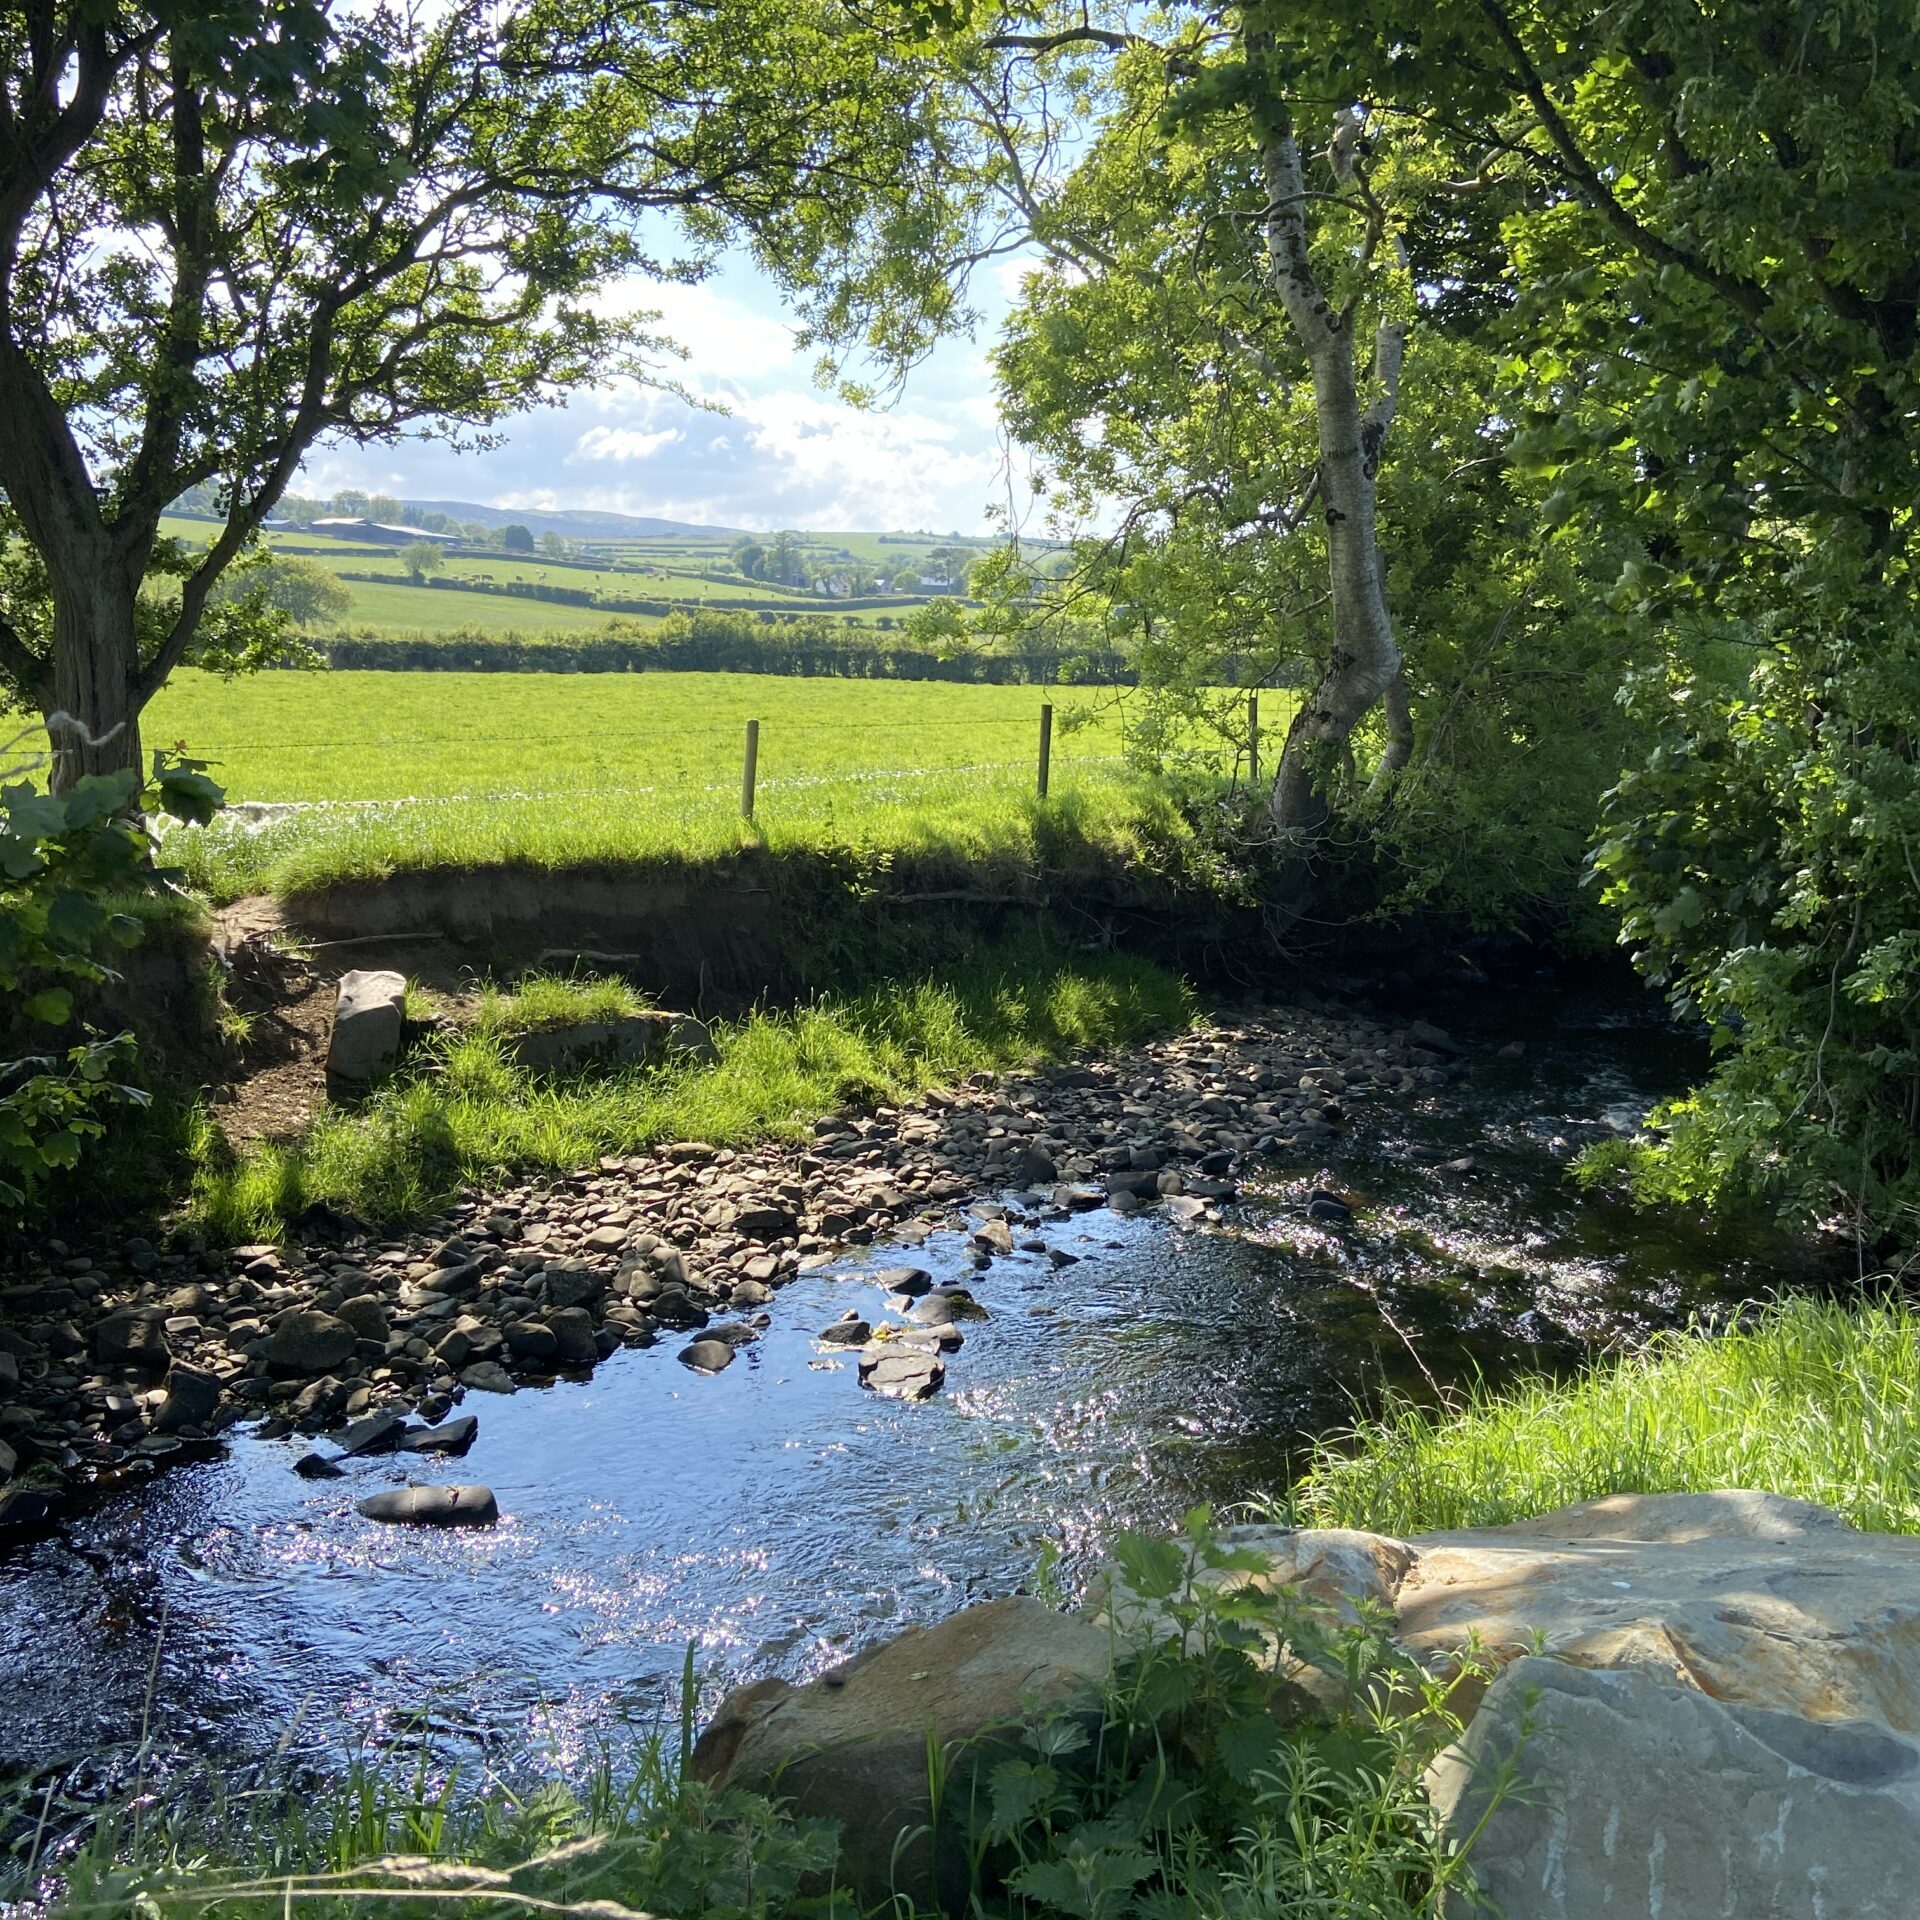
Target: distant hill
<point>576,523</point>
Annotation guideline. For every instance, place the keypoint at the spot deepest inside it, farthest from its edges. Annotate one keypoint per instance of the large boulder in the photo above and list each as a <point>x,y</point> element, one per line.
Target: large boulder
<point>1651,1797</point>
<point>1724,1689</point>
<point>852,1745</point>
<point>368,1019</point>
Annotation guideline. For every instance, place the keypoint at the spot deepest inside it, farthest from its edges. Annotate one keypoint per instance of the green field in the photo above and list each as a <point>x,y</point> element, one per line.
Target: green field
<point>461,769</point>
<point>669,569</point>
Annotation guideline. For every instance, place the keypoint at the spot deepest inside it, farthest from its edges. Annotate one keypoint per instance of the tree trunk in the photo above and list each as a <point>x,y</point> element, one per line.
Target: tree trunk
<point>94,670</point>
<point>1363,665</point>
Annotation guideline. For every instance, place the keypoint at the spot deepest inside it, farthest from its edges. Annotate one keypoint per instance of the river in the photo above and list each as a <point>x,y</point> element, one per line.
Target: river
<point>778,1516</point>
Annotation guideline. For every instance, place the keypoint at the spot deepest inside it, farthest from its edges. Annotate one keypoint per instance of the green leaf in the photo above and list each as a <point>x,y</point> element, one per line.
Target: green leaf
<point>52,1006</point>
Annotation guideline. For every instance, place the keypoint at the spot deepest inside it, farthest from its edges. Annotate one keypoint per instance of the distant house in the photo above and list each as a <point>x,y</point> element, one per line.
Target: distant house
<point>378,532</point>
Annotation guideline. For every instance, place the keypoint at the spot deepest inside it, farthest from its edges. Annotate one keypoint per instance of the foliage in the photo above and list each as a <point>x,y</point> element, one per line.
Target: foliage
<point>226,231</point>
<point>64,861</point>
<point>308,593</point>
<point>1807,1398</point>
<point>248,627</point>
<point>1253,1755</point>
<point>423,558</point>
<point>375,1842</point>
<point>1721,361</point>
<point>463,1113</point>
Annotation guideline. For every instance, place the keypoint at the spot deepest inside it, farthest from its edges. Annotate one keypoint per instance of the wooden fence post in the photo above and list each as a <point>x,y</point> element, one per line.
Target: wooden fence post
<point>1253,739</point>
<point>751,768</point>
<point>1046,747</point>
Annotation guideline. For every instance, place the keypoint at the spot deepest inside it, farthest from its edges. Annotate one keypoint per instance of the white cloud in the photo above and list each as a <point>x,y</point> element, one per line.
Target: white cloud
<point>720,336</point>
<point>781,454</point>
<point>622,443</point>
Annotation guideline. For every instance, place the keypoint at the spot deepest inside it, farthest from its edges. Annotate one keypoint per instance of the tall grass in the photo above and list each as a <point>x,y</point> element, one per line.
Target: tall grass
<point>1808,1398</point>
<point>473,1116</point>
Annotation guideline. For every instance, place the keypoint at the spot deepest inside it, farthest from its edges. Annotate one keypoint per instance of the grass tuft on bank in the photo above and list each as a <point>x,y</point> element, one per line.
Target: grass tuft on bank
<point>466,1114</point>
<point>1809,1398</point>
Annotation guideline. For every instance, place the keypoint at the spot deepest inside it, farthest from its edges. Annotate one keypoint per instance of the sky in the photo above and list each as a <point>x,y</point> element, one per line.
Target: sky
<point>784,453</point>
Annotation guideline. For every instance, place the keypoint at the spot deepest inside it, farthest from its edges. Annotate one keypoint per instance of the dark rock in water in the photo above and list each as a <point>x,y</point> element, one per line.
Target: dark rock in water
<point>1465,1164</point>
<point>736,1333</point>
<point>309,1341</point>
<point>762,1221</point>
<point>851,1331</point>
<point>1423,1033</point>
<point>192,1398</point>
<point>671,1307</point>
<point>377,1433</point>
<point>1060,1257</point>
<point>472,1506</point>
<point>529,1342</point>
<point>1184,1207</point>
<point>316,1466</point>
<point>707,1356</point>
<point>572,1330</point>
<point>455,1282</point>
<point>488,1376</point>
<point>136,1337</point>
<point>1078,1199</point>
<point>451,1436</point>
<point>23,1508</point>
<point>573,1284</point>
<point>1328,1208</point>
<point>993,1236</point>
<point>944,1306</point>
<point>911,1281</point>
<point>908,1374</point>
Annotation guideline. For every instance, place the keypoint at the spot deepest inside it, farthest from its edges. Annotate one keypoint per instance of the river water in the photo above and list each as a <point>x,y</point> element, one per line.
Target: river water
<point>778,1516</point>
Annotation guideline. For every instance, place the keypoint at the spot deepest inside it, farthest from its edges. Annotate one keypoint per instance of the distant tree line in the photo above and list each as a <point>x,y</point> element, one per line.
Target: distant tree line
<point>724,643</point>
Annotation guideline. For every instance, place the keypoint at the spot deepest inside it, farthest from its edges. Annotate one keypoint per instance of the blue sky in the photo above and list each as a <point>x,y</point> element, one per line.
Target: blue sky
<point>784,454</point>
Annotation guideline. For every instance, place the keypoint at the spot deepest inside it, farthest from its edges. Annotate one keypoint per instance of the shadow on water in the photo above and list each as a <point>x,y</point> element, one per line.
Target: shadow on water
<point>779,1516</point>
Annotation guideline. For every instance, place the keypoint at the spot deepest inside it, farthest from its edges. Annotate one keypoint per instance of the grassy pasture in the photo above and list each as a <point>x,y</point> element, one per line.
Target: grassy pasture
<point>566,769</point>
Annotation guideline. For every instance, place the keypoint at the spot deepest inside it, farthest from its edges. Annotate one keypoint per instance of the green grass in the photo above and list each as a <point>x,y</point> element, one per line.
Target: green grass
<point>470,1116</point>
<point>541,1000</point>
<point>565,770</point>
<point>403,608</point>
<point>382,736</point>
<point>1807,1398</point>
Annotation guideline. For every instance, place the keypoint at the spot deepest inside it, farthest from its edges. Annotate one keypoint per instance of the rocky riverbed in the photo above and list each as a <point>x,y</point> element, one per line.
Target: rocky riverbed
<point>114,1361</point>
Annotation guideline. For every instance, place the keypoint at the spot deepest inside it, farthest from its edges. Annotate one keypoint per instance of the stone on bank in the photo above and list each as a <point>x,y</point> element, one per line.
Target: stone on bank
<point>1720,1694</point>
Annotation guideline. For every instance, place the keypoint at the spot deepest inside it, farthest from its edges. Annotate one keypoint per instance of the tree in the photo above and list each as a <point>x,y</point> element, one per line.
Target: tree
<point>305,591</point>
<point>516,539</point>
<point>905,581</point>
<point>230,232</point>
<point>553,546</point>
<point>422,559</point>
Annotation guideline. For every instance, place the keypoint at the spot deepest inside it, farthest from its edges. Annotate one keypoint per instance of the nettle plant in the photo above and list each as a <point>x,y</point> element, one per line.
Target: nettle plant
<point>70,866</point>
<point>1254,1753</point>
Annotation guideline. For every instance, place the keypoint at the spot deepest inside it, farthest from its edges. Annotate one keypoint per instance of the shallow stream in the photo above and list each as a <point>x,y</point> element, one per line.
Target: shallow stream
<point>779,1516</point>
